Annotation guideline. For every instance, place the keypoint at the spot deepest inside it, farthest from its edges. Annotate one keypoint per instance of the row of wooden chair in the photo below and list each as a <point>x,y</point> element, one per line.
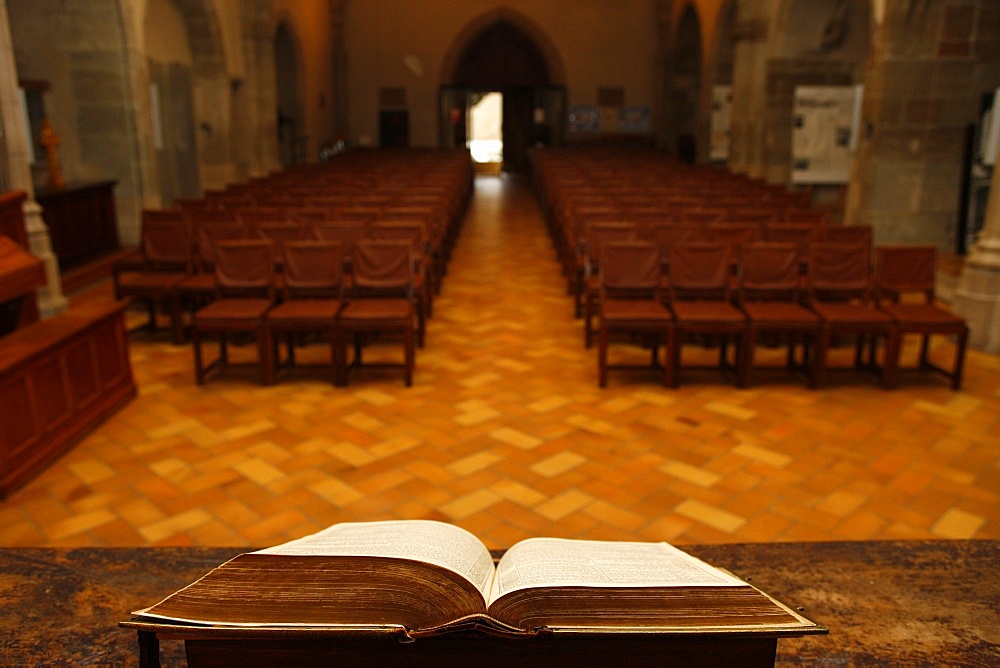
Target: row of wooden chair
<point>312,297</point>
<point>581,187</point>
<point>843,296</point>
<point>666,234</point>
<point>174,273</point>
<point>420,202</point>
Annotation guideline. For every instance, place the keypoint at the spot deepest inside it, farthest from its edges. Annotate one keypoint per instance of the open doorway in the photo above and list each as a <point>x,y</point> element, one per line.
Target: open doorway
<point>485,139</point>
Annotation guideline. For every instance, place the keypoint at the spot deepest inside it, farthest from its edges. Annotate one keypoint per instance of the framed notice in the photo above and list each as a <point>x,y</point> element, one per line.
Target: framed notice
<point>824,133</point>
<point>584,119</point>
<point>635,119</point>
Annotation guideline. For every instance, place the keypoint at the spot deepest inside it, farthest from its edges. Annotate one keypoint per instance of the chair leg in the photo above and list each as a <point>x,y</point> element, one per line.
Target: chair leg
<point>199,371</point>
<point>338,357</point>
<point>925,345</point>
<point>890,368</point>
<point>176,319</point>
<point>408,353</point>
<point>602,357</point>
<point>265,355</point>
<point>820,358</point>
<point>960,343</point>
<point>745,373</point>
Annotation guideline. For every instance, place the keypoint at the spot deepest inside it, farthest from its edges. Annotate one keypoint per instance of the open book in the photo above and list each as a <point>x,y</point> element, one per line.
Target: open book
<point>430,577</point>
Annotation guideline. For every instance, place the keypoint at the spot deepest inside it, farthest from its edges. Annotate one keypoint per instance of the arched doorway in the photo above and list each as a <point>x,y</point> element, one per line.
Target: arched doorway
<point>685,85</point>
<point>291,124</point>
<point>502,57</point>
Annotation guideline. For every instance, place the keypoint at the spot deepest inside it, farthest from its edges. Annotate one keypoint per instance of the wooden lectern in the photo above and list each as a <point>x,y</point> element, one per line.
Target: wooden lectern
<point>210,646</point>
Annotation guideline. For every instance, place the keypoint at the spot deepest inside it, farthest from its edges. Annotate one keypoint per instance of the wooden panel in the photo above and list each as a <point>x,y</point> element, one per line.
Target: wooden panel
<point>81,220</point>
<point>11,217</point>
<point>59,378</point>
<point>16,434</point>
<point>20,272</point>
<point>81,367</point>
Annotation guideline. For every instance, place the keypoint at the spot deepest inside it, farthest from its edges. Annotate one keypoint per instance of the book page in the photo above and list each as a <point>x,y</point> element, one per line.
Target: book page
<point>433,542</point>
<point>554,562</point>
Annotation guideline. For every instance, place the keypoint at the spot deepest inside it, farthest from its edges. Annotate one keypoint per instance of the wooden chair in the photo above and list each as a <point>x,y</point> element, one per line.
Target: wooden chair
<point>905,272</point>
<point>380,301</point>
<point>414,232</point>
<point>701,302</point>
<point>166,253</point>
<point>312,294</point>
<point>840,284</point>
<point>631,305</point>
<point>735,236</point>
<point>280,232</point>
<point>589,267</point>
<point>770,294</point>
<point>245,290</point>
<point>198,288</point>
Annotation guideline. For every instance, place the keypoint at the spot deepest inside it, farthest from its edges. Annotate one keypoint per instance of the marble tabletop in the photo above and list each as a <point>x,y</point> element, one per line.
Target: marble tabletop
<point>885,603</point>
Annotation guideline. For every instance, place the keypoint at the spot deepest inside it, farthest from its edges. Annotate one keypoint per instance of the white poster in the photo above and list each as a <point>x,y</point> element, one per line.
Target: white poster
<point>722,105</point>
<point>824,133</point>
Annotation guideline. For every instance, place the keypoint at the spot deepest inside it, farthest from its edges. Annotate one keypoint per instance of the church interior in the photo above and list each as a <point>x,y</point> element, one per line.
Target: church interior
<point>115,113</point>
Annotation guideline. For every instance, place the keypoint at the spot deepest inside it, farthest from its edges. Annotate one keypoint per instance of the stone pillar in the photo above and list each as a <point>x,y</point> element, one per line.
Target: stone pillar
<point>50,296</point>
<point>977,296</point>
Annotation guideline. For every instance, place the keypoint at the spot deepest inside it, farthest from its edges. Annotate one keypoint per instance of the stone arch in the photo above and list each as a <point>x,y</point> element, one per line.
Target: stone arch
<point>720,80</point>
<point>504,51</point>
<point>288,92</point>
<point>522,24</point>
<point>685,82</point>
<point>211,92</point>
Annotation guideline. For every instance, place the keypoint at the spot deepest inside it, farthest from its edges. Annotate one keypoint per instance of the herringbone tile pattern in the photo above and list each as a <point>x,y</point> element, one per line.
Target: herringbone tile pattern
<point>506,433</point>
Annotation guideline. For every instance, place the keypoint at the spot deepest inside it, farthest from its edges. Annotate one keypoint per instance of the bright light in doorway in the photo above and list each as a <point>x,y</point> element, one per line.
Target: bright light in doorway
<point>486,128</point>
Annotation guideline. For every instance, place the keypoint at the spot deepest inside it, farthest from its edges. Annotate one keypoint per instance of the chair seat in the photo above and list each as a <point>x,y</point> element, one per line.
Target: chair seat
<point>922,315</point>
<point>376,308</point>
<point>298,310</point>
<point>780,314</point>
<point>133,281</point>
<point>226,310</point>
<point>704,312</point>
<point>635,310</point>
<point>204,282</point>
<point>846,314</point>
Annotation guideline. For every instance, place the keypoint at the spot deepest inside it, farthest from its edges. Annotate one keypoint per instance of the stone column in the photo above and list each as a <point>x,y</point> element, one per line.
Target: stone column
<point>977,296</point>
<point>50,296</point>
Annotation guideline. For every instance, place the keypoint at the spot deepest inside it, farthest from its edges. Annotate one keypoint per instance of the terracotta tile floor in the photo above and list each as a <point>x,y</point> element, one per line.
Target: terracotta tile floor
<point>506,433</point>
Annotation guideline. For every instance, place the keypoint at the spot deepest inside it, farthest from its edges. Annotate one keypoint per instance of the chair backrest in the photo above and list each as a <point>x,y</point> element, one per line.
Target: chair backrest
<point>599,234</point>
<point>839,271</point>
<point>308,216</point>
<point>207,236</point>
<point>279,232</point>
<point>770,271</point>
<point>382,268</point>
<point>700,270</point>
<point>849,234</point>
<point>734,235</point>
<point>630,269</point>
<point>167,242</point>
<point>901,270</point>
<point>414,231</point>
<point>312,268</point>
<point>346,232</point>
<point>705,215</point>
<point>258,216</point>
<point>244,267</point>
<point>800,233</point>
<point>668,235</point>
